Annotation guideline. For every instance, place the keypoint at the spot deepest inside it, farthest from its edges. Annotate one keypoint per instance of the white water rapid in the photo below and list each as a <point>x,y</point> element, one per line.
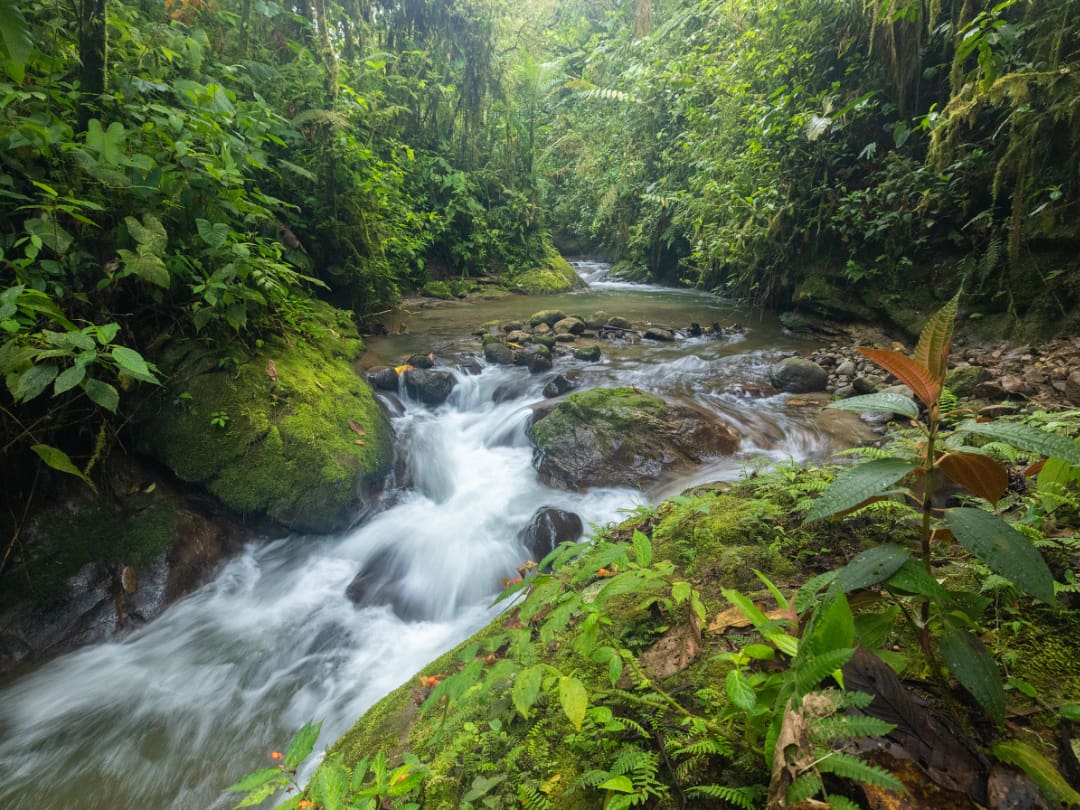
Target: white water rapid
<point>166,717</point>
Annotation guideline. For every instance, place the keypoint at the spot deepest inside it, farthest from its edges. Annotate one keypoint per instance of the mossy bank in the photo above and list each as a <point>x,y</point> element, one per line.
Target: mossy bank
<point>287,430</point>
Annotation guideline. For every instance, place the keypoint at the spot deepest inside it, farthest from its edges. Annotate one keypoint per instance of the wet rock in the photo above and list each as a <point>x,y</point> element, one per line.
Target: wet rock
<point>537,358</point>
<point>991,389</point>
<point>547,529</point>
<point>544,340</point>
<point>1014,385</point>
<point>385,378</point>
<point>541,329</point>
<point>513,326</point>
<point>598,320</point>
<point>376,584</point>
<point>470,365</point>
<point>421,361</point>
<point>1072,388</point>
<point>430,386</point>
<point>659,333</point>
<point>623,437</point>
<point>498,353</point>
<point>845,391</point>
<point>797,375</point>
<point>559,385</point>
<point>863,385</point>
<point>569,326</point>
<point>846,368</point>
<point>589,354</point>
<point>546,316</point>
<point>620,323</point>
<point>565,338</point>
<point>517,336</point>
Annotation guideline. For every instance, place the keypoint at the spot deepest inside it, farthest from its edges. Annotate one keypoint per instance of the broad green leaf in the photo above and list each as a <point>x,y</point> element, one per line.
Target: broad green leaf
<point>853,487</point>
<point>146,265</point>
<point>1024,437</point>
<point>526,688</point>
<point>574,700</point>
<point>781,600</point>
<point>739,690</point>
<point>620,784</point>
<point>832,627</point>
<point>935,340</point>
<point>482,785</point>
<point>102,394</point>
<point>262,793</point>
<point>69,340</point>
<point>330,785</point>
<point>873,628</point>
<point>108,143</point>
<point>214,234</point>
<point>55,237</point>
<point>872,566</point>
<point>680,592</point>
<point>132,363</point>
<point>33,381</point>
<point>968,659</point>
<point>59,460</point>
<point>302,744</point>
<point>69,378</point>
<point>1042,772</point>
<point>253,780</point>
<point>643,551</point>
<point>879,403</point>
<point>1070,711</point>
<point>1003,548</point>
<point>913,578</point>
<point>149,232</point>
<point>15,38</point>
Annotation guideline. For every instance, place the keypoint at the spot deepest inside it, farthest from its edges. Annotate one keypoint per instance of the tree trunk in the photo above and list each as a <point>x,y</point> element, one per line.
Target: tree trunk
<point>93,53</point>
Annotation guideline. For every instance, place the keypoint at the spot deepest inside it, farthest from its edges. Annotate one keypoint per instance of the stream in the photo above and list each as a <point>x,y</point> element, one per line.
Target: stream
<point>168,716</point>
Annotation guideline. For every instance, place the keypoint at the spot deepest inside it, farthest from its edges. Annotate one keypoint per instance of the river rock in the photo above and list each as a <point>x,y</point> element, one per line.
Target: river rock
<point>659,333</point>
<point>598,320</point>
<point>498,353</point>
<point>513,326</point>
<point>620,323</point>
<point>517,336</point>
<point>421,361</point>
<point>430,386</point>
<point>846,368</point>
<point>546,316</point>
<point>1072,388</point>
<point>537,358</point>
<point>863,385</point>
<point>623,437</point>
<point>376,584</point>
<point>962,381</point>
<point>286,443</point>
<point>559,385</point>
<point>797,375</point>
<point>541,329</point>
<point>384,378</point>
<point>589,354</point>
<point>548,340</point>
<point>547,529</point>
<point>569,326</point>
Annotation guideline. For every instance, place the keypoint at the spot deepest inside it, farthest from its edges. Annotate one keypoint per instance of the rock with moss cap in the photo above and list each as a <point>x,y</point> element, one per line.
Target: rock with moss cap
<point>623,437</point>
<point>553,275</point>
<point>289,431</point>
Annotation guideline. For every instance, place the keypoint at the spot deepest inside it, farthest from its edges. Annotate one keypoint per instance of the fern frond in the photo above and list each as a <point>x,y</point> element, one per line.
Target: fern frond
<point>812,670</point>
<point>530,797</point>
<point>855,700</point>
<point>803,787</point>
<point>716,746</point>
<point>849,767</point>
<point>745,798</point>
<point>842,803</point>
<point>839,727</point>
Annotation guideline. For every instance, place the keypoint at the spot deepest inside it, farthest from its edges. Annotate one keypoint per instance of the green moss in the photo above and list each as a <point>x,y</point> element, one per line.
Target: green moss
<point>612,409</point>
<point>554,275</point>
<point>287,448</point>
<point>437,289</point>
<point>63,540</point>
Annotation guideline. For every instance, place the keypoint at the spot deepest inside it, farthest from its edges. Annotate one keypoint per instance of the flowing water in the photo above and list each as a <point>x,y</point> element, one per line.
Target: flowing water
<point>169,715</point>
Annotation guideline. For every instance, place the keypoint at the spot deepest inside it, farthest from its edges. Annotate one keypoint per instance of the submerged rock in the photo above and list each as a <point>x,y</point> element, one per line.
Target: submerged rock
<point>548,528</point>
<point>589,354</point>
<point>659,333</point>
<point>797,375</point>
<point>291,432</point>
<point>498,353</point>
<point>623,437</point>
<point>384,378</point>
<point>537,358</point>
<point>559,385</point>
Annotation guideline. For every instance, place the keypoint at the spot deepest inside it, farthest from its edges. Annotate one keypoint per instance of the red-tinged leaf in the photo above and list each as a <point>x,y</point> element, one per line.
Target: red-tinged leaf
<point>910,372</point>
<point>936,339</point>
<point>979,474</point>
<point>941,536</point>
<point>1035,468</point>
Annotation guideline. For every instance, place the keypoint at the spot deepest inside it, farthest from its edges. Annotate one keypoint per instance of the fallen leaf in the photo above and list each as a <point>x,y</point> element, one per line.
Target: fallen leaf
<point>735,619</point>
<point>359,430</point>
<point>674,651</point>
<point>271,370</point>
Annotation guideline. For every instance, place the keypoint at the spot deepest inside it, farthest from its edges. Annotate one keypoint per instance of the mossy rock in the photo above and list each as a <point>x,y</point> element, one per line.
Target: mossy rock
<point>554,275</point>
<point>438,289</point>
<point>623,437</point>
<point>280,434</point>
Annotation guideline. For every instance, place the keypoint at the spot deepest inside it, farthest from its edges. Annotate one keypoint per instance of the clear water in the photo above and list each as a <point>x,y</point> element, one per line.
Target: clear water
<point>170,715</point>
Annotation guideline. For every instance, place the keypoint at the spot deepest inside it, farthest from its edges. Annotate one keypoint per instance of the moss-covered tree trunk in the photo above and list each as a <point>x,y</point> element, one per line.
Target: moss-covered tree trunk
<point>93,53</point>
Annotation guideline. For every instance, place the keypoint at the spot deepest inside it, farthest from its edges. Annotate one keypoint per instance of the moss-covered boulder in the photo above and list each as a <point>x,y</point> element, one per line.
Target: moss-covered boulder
<point>553,275</point>
<point>623,437</point>
<point>289,431</point>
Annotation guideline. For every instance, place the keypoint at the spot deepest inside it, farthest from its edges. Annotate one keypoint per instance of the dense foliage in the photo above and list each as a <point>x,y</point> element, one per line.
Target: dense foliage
<point>765,148</point>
